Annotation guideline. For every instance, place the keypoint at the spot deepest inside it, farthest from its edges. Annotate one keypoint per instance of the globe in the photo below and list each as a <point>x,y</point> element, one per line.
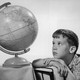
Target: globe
<point>18,29</point>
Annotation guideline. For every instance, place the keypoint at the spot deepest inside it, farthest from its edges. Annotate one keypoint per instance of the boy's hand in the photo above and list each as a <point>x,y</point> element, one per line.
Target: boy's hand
<point>59,64</point>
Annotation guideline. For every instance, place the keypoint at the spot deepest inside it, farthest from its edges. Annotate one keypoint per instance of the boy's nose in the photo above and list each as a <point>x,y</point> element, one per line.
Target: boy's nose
<point>54,48</point>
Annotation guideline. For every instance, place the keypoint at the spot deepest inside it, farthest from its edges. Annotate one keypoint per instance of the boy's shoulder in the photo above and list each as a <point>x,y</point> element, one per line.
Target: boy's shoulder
<point>75,63</point>
<point>75,66</point>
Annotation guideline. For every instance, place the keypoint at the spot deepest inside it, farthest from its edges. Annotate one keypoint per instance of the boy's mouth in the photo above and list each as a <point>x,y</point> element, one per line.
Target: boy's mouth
<point>54,53</point>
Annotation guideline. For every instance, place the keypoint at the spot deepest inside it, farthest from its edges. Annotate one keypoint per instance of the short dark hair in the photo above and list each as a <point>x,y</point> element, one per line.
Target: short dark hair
<point>72,37</point>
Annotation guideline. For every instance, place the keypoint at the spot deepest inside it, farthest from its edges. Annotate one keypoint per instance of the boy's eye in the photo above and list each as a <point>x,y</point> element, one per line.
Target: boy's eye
<point>53,43</point>
<point>59,43</point>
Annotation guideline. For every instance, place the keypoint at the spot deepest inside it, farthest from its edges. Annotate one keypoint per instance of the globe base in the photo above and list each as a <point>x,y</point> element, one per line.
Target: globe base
<point>16,62</point>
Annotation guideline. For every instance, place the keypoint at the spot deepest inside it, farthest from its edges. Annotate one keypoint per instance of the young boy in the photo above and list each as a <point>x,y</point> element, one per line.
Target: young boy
<point>65,45</point>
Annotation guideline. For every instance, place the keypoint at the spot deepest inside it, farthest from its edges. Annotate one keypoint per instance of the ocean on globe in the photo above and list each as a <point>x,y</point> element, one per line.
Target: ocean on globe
<point>18,28</point>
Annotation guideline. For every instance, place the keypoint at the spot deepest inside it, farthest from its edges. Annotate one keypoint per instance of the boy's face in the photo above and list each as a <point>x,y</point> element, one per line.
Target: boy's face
<point>60,47</point>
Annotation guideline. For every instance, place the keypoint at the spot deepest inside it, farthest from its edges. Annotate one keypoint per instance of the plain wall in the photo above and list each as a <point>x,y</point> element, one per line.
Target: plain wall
<point>50,15</point>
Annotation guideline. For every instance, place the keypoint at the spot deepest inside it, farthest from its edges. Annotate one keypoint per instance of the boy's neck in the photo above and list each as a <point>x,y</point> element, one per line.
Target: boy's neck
<point>68,59</point>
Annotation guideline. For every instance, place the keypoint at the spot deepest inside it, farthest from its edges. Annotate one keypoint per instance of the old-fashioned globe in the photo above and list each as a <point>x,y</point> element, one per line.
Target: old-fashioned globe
<point>18,29</point>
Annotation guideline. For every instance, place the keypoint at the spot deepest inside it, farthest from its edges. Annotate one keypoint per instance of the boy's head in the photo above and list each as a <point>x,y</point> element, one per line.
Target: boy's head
<point>65,42</point>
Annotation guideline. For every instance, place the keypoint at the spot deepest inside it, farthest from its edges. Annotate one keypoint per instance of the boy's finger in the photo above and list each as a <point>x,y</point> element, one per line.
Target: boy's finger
<point>66,73</point>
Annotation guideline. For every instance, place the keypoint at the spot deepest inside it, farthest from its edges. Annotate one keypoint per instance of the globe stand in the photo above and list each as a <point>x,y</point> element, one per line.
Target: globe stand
<point>16,62</point>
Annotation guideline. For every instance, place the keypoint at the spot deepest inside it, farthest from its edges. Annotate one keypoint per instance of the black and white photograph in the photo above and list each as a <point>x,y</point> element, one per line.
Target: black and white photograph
<point>39,39</point>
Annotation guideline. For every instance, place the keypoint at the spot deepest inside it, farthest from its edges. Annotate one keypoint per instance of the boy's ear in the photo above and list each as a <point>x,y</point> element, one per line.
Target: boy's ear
<point>72,49</point>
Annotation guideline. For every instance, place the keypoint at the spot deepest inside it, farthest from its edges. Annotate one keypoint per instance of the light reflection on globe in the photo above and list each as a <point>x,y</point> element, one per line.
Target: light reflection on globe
<point>18,29</point>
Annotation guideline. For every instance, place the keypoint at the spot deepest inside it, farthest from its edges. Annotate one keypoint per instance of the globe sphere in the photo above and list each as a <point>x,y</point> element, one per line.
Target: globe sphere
<point>18,29</point>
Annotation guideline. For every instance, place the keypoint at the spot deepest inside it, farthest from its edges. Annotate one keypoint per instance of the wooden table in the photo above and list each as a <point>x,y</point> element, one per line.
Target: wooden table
<point>23,73</point>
